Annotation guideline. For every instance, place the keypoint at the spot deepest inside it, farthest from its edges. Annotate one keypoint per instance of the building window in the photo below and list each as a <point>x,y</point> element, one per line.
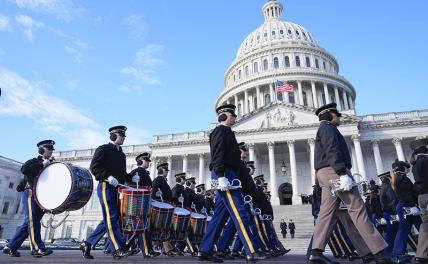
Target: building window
<point>281,31</point>
<point>255,67</point>
<point>239,74</point>
<point>291,98</point>
<point>332,99</point>
<point>246,71</point>
<point>297,61</point>
<point>5,208</point>
<point>265,65</point>
<point>297,34</point>
<point>234,78</point>
<point>240,110</point>
<point>304,36</point>
<point>308,62</point>
<point>323,99</point>
<point>11,185</point>
<point>286,61</point>
<point>275,63</point>
<point>316,64</point>
<point>279,97</point>
<point>305,99</point>
<point>267,99</point>
<point>68,231</point>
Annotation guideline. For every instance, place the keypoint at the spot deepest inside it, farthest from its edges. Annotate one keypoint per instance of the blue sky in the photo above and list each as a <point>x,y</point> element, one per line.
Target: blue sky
<point>71,69</point>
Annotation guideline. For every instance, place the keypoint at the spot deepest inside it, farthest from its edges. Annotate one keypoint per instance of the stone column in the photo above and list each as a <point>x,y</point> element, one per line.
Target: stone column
<point>311,143</point>
<point>354,160</point>
<point>345,100</point>
<point>228,101</point>
<point>399,148</point>
<point>326,94</point>
<point>314,94</point>
<point>201,168</point>
<point>293,167</point>
<point>245,102</point>
<point>236,104</point>
<point>258,103</point>
<point>251,99</point>
<point>272,92</point>
<point>184,162</point>
<point>359,154</point>
<point>350,101</point>
<point>170,177</point>
<point>251,151</point>
<point>299,87</point>
<point>272,174</point>
<point>377,157</point>
<point>153,171</point>
<point>336,96</point>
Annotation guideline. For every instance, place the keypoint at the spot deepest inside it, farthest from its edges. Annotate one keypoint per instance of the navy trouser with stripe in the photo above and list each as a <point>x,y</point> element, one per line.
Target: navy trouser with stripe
<point>107,195</point>
<point>31,226</point>
<point>97,234</point>
<point>228,203</point>
<point>227,236</point>
<point>258,239</point>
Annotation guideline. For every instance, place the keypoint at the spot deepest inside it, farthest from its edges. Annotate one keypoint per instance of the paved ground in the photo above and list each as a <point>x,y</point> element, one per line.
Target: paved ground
<point>74,256</point>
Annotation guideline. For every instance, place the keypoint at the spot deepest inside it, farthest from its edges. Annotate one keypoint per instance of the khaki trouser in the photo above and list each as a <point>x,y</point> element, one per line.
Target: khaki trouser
<point>422,249</point>
<point>167,246</point>
<point>328,213</point>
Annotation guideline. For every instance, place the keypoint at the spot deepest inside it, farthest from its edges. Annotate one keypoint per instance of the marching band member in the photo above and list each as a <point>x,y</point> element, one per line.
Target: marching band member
<point>178,189</point>
<point>200,192</point>
<point>145,238</point>
<point>108,165</point>
<point>420,173</point>
<point>225,160</point>
<point>209,201</point>
<point>33,213</point>
<point>388,202</point>
<point>333,162</point>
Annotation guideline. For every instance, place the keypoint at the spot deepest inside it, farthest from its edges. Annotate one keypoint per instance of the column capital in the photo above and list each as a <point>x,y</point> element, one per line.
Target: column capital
<point>291,142</point>
<point>375,142</point>
<point>169,157</point>
<point>270,144</point>
<point>311,141</point>
<point>397,140</point>
<point>299,81</point>
<point>312,82</point>
<point>184,156</point>
<point>356,138</point>
<point>201,155</point>
<point>250,145</point>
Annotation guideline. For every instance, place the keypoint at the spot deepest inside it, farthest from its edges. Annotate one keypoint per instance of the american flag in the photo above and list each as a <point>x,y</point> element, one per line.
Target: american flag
<point>284,87</point>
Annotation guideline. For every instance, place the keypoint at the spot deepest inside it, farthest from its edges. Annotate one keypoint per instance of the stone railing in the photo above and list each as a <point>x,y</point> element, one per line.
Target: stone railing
<point>89,152</point>
<point>200,135</point>
<point>417,114</point>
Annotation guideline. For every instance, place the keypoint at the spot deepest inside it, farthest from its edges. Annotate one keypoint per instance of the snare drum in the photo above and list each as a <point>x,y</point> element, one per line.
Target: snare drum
<point>63,187</point>
<point>160,220</point>
<point>134,207</point>
<point>180,224</point>
<point>198,223</point>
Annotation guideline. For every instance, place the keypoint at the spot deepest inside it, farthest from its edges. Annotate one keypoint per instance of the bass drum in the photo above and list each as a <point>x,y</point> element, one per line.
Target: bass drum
<point>63,187</point>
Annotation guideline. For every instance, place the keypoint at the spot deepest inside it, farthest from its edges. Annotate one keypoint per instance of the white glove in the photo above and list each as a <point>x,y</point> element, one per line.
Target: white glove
<point>46,162</point>
<point>345,183</point>
<point>414,211</point>
<point>223,184</point>
<point>135,178</point>
<point>383,221</point>
<point>112,181</point>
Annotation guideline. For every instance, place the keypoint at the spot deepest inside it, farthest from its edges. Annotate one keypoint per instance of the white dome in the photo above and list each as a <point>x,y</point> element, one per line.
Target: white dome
<point>275,30</point>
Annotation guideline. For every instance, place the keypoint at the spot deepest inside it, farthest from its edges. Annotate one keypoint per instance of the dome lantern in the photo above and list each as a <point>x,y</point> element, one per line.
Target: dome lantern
<point>272,10</point>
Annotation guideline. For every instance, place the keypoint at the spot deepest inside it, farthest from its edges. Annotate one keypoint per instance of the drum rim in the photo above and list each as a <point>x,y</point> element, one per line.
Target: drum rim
<point>35,189</point>
<point>140,190</point>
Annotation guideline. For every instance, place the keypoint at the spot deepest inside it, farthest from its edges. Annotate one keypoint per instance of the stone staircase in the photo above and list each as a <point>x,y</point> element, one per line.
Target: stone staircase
<point>303,220</point>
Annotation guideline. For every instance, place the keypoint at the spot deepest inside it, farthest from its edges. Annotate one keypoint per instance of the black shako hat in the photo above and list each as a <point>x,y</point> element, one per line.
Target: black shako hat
<point>117,129</point>
<point>191,179</point>
<point>201,186</point>
<point>143,156</point>
<point>48,143</point>
<point>226,108</point>
<point>163,166</point>
<point>180,175</point>
<point>400,165</point>
<point>332,108</point>
<point>385,174</point>
<point>242,146</point>
<point>418,143</point>
<point>251,164</point>
<point>259,177</point>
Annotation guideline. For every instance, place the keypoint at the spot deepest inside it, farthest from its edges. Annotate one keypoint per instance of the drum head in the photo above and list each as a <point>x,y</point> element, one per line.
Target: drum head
<point>198,216</point>
<point>162,205</point>
<point>181,211</point>
<point>53,186</point>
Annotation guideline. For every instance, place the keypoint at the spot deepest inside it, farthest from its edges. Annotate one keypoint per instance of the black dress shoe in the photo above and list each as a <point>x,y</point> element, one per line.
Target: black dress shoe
<point>320,260</point>
<point>41,253</point>
<point>398,259</point>
<point>202,256</point>
<point>10,252</point>
<point>353,256</point>
<point>421,260</point>
<point>118,254</point>
<point>368,259</point>
<point>152,254</point>
<point>235,254</point>
<point>85,247</point>
<point>252,258</point>
<point>135,251</point>
<point>224,255</point>
<point>173,252</point>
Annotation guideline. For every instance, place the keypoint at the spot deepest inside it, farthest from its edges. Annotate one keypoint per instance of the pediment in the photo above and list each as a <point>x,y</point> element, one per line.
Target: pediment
<point>277,115</point>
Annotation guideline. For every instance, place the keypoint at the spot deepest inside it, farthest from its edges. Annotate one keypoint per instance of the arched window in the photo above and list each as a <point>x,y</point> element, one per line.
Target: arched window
<point>265,65</point>
<point>239,74</point>
<point>255,67</point>
<point>267,99</point>
<point>297,61</point>
<point>246,71</point>
<point>316,64</point>
<point>305,99</point>
<point>275,63</point>
<point>286,61</point>
<point>308,62</point>
<point>279,97</point>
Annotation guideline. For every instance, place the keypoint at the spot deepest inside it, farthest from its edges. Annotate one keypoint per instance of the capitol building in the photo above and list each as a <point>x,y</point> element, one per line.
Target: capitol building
<point>279,128</point>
